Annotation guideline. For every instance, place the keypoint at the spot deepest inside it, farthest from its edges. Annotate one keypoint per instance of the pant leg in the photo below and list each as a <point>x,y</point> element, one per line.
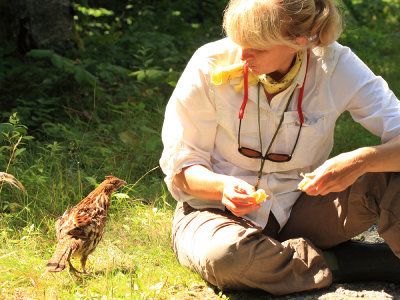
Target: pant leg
<point>232,253</point>
<point>337,217</point>
<point>389,217</point>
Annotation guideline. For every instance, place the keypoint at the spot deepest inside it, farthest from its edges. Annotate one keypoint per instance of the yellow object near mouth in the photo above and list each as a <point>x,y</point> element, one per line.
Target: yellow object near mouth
<point>260,196</point>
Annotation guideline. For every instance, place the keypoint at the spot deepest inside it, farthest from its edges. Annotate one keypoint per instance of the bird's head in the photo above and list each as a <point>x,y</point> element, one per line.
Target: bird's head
<point>112,183</point>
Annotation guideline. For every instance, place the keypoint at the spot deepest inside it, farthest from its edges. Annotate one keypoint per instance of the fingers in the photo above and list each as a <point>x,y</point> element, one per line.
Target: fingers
<point>323,184</point>
<point>239,209</point>
<point>334,175</point>
<point>237,198</point>
<point>314,185</point>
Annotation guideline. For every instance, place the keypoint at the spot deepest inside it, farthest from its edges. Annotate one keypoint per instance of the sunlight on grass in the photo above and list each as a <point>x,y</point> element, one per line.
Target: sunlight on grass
<point>90,117</point>
<point>133,261</point>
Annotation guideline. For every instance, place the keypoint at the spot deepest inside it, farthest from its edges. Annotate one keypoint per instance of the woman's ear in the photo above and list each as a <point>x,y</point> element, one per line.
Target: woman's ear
<point>301,40</point>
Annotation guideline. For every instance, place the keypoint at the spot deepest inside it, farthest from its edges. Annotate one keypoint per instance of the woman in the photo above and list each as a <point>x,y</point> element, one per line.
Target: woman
<point>256,110</point>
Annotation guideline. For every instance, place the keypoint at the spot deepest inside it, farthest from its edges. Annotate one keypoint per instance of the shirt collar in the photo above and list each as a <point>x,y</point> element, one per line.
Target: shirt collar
<point>297,81</point>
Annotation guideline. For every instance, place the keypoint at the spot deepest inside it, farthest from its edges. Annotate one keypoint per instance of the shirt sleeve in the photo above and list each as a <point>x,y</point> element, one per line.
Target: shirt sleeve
<point>189,127</point>
<point>366,96</point>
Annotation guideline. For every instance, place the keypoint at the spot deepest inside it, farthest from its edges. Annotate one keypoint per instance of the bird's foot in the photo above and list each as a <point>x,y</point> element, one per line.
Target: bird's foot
<point>75,271</point>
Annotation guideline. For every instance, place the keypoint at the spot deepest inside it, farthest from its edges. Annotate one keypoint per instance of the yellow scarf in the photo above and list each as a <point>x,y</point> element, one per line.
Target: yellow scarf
<point>224,74</point>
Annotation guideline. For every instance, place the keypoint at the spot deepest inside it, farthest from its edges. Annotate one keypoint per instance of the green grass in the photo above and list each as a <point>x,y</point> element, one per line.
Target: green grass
<point>67,159</point>
<point>133,261</point>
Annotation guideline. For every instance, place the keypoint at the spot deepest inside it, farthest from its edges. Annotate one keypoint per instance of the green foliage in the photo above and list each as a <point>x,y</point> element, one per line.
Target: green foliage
<point>11,133</point>
<point>64,64</point>
<point>124,51</point>
<point>80,114</point>
<point>373,32</point>
<point>97,109</point>
<point>374,12</point>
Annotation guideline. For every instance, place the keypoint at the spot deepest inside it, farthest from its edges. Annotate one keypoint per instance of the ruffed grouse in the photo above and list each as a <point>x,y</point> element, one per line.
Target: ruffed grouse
<point>81,227</point>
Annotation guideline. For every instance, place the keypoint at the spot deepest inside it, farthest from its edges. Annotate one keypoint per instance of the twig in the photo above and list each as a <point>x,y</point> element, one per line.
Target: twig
<point>8,254</point>
<point>137,181</point>
<point>4,176</point>
<point>12,154</point>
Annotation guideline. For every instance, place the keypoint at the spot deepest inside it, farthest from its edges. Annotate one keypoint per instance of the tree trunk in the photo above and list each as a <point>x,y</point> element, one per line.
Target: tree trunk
<point>40,24</point>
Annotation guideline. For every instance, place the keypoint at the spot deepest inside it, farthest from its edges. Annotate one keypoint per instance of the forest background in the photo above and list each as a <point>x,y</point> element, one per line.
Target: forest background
<point>83,88</point>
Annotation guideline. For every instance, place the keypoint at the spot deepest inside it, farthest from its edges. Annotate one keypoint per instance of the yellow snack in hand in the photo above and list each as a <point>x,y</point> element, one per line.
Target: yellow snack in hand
<point>260,196</point>
<point>304,182</point>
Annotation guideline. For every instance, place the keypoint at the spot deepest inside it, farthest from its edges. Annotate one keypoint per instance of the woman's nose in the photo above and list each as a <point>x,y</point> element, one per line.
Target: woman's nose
<point>246,54</point>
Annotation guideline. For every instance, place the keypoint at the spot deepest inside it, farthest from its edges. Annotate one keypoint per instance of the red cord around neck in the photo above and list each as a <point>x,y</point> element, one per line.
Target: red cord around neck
<point>300,100</point>
<point>246,89</point>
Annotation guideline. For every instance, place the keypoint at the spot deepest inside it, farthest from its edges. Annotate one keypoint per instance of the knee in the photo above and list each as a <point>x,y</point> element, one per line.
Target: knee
<point>222,257</point>
<point>225,263</point>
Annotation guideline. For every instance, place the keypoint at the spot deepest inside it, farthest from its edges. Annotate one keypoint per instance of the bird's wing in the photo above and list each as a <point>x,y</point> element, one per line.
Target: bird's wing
<point>82,222</point>
<point>62,223</point>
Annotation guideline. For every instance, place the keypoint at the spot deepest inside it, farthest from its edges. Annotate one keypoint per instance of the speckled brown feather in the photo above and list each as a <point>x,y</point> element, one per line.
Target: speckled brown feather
<point>81,227</point>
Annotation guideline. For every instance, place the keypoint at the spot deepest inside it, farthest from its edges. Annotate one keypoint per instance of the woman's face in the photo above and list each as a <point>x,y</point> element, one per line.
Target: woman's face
<point>277,58</point>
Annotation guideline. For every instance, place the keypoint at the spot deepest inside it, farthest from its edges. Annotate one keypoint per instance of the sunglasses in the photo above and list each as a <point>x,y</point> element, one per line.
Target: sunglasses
<point>274,157</point>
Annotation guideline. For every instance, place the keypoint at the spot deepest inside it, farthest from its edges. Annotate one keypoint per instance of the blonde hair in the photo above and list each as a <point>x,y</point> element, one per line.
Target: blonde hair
<point>261,23</point>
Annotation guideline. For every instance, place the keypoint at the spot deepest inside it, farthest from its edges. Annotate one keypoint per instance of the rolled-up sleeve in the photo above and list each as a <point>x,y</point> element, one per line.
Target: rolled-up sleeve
<point>366,96</point>
<point>189,127</point>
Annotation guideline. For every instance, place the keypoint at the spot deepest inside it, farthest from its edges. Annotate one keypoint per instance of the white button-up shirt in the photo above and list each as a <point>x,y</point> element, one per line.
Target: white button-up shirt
<point>201,122</point>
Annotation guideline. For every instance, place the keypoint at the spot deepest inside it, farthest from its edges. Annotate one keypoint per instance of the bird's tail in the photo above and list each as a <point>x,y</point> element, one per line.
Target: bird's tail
<point>61,255</point>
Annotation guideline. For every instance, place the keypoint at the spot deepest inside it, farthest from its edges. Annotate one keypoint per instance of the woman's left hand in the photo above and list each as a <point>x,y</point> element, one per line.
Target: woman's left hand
<point>336,174</point>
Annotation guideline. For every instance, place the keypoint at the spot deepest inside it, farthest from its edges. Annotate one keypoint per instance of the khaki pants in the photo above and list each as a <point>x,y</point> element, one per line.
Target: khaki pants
<point>232,253</point>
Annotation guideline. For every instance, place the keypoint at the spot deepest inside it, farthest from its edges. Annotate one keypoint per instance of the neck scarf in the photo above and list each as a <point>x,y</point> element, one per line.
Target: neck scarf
<point>224,74</point>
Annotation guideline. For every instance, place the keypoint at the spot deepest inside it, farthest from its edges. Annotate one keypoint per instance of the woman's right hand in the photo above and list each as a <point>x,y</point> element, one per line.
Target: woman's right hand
<point>237,197</point>
<point>235,194</point>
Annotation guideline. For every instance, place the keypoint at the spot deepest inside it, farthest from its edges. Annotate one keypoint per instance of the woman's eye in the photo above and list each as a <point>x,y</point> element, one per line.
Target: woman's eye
<point>258,51</point>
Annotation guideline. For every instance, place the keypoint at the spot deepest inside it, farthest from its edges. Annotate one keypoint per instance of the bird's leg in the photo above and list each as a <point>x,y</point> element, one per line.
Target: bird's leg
<point>83,262</point>
<point>71,267</point>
